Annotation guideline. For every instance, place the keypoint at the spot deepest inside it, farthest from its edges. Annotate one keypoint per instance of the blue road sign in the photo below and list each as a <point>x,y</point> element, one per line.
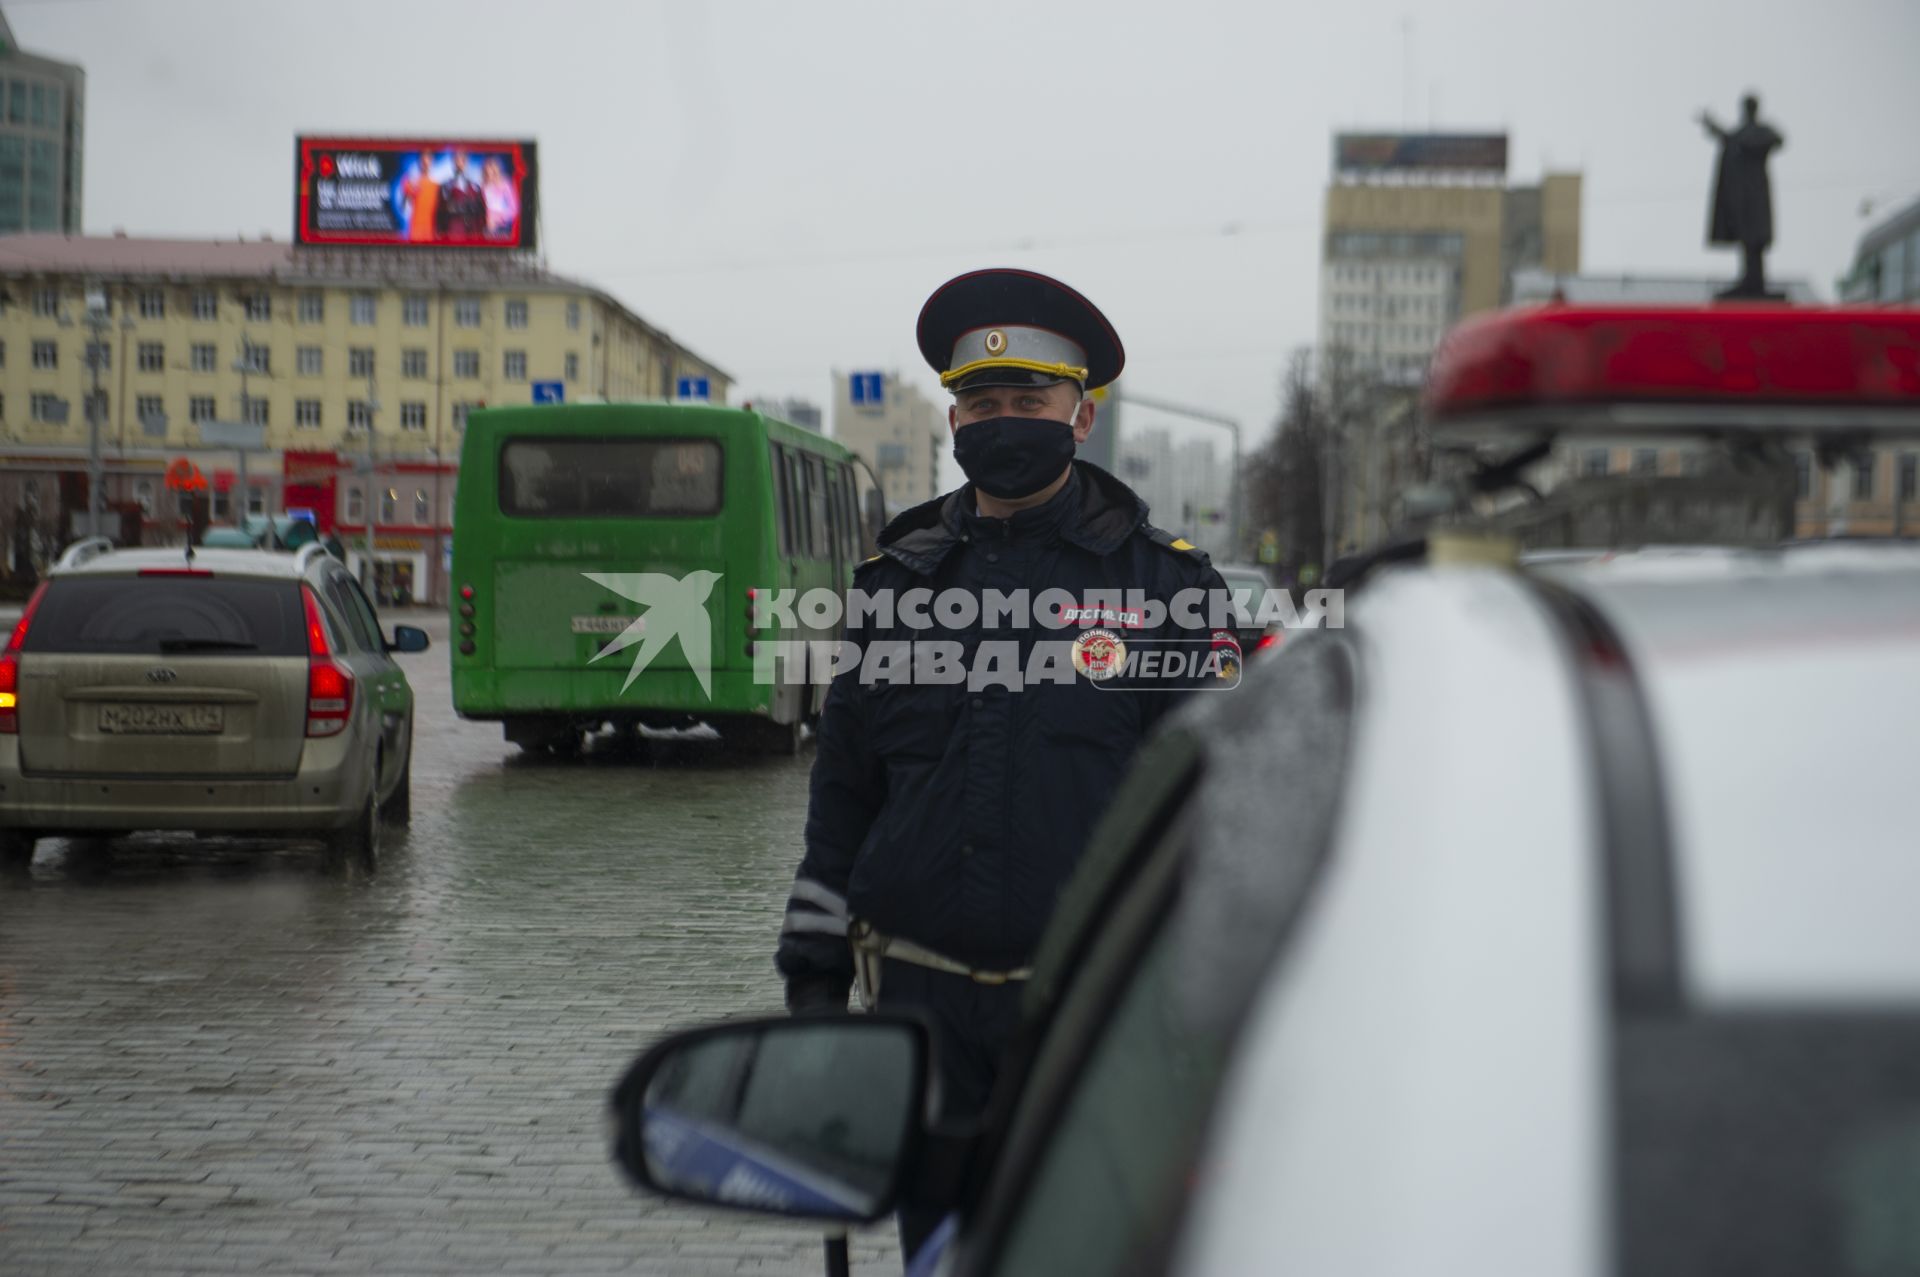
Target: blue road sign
<point>693,388</point>
<point>867,387</point>
<point>549,392</point>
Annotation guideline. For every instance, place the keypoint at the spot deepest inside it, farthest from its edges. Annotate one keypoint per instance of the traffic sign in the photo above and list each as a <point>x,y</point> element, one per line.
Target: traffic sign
<point>867,387</point>
<point>693,388</point>
<point>549,392</point>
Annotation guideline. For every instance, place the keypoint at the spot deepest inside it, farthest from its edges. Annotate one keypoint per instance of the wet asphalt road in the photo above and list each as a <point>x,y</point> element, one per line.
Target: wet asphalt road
<point>220,1057</point>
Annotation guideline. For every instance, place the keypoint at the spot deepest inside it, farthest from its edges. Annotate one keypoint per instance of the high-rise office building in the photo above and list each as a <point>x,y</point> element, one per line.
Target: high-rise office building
<point>42,127</point>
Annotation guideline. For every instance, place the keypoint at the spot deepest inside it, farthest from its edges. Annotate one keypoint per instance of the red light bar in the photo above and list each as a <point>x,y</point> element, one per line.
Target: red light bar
<point>1542,361</point>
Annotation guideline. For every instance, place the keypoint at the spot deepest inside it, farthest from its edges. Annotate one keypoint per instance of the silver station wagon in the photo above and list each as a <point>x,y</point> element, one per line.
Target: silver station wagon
<point>230,692</point>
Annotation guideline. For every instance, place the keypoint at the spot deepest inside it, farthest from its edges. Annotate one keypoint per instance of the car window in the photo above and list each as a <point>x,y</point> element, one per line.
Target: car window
<point>1768,1142</point>
<point>343,594</point>
<point>168,615</point>
<point>1127,1076</point>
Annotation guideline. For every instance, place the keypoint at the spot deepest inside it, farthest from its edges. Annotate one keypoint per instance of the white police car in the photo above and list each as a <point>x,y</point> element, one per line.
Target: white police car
<point>1553,919</point>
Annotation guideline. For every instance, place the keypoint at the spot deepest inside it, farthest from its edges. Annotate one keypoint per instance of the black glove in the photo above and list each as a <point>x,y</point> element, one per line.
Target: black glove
<point>818,992</point>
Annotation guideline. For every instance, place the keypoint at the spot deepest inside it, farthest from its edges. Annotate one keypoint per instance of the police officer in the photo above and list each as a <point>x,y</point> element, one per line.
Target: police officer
<point>946,816</point>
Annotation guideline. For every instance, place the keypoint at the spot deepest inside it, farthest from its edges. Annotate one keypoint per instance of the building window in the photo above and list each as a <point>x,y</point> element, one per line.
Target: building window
<point>259,307</point>
<point>149,407</point>
<point>414,311</point>
<point>256,499</point>
<point>3,354</point>
<point>422,508</point>
<point>460,411</point>
<point>46,354</point>
<point>203,356</point>
<point>100,355</point>
<point>46,302</point>
<point>1594,461</point>
<point>153,304</point>
<point>389,505</point>
<point>517,313</point>
<point>49,410</point>
<point>206,304</point>
<point>200,408</point>
<point>255,409</point>
<point>1863,477</point>
<point>573,314</point>
<point>573,366</point>
<point>1802,476</point>
<point>360,362</point>
<point>361,309</point>
<point>466,363</point>
<point>1909,476</point>
<point>359,415</point>
<point>466,312</point>
<point>413,364</point>
<point>1646,461</point>
<point>413,415</point>
<point>356,504</point>
<point>514,365</point>
<point>153,357</point>
<point>256,358</point>
<point>306,414</point>
<point>143,493</point>
<point>308,361</point>
<point>313,308</point>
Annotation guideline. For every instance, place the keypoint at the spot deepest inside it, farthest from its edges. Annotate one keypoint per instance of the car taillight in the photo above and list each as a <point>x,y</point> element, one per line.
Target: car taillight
<point>329,687</point>
<point>10,668</point>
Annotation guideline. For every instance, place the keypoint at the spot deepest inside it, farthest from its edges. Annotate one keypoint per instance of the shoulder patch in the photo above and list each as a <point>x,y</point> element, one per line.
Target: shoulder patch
<point>1181,543</point>
<point>1187,550</point>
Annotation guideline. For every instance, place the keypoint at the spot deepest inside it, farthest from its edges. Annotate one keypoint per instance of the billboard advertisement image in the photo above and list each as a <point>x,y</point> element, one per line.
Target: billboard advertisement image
<point>414,192</point>
<point>1486,152</point>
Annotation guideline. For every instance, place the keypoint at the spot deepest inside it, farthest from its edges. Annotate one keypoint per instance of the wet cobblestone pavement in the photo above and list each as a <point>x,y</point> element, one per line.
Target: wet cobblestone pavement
<point>219,1057</point>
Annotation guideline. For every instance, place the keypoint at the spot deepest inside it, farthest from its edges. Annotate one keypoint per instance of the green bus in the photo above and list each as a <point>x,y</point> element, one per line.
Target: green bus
<point>573,525</point>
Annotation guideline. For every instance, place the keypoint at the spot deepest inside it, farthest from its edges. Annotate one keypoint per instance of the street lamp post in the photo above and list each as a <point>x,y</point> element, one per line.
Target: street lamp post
<point>372,576</point>
<point>97,325</point>
<point>1211,418</point>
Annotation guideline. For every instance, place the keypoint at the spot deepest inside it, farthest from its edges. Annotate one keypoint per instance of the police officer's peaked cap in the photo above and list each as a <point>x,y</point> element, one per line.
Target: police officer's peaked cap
<point>1016,328</point>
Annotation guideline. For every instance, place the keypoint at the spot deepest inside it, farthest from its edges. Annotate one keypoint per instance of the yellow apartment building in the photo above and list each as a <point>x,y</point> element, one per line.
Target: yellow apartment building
<point>359,367</point>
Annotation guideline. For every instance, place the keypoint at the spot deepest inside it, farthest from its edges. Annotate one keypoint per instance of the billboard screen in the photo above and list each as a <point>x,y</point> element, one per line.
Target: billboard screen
<point>1454,151</point>
<point>414,192</point>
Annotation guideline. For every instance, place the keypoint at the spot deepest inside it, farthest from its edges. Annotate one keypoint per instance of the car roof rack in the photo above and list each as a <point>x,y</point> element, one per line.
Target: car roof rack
<point>304,556</point>
<point>83,551</point>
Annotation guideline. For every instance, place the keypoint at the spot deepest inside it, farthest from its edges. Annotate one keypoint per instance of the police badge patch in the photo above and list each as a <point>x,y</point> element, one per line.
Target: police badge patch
<point>1099,654</point>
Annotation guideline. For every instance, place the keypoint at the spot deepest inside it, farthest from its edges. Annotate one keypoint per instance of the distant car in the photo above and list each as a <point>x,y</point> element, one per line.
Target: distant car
<point>1548,921</point>
<point>1254,581</point>
<point>236,691</point>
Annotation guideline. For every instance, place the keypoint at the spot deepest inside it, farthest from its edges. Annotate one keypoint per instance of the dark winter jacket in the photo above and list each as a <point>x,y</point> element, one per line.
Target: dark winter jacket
<point>952,815</point>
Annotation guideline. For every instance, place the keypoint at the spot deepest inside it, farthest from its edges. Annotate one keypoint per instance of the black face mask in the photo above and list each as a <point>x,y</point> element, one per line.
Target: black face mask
<point>1013,457</point>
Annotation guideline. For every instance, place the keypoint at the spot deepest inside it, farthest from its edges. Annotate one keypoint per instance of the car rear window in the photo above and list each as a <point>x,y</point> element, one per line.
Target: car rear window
<point>610,478</point>
<point>1769,1143</point>
<point>168,616</point>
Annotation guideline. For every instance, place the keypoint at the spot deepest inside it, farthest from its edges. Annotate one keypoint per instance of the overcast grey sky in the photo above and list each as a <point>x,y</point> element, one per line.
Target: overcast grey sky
<point>780,183</point>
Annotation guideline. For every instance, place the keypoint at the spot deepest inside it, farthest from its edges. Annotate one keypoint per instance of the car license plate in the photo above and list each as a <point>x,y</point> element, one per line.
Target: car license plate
<point>602,624</point>
<point>162,720</point>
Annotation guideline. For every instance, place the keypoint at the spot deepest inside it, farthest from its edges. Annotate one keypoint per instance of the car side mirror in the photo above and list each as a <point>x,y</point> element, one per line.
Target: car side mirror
<point>815,1116</point>
<point>408,638</point>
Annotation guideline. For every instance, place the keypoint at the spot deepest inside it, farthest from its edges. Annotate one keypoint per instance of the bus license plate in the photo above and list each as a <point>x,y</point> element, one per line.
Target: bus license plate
<point>162,720</point>
<point>602,624</point>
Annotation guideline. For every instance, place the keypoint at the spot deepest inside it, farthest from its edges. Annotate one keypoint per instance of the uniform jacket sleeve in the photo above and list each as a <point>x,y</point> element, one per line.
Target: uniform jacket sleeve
<point>848,788</point>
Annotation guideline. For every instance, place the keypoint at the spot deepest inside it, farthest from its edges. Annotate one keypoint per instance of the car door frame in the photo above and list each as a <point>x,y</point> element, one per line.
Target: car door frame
<point>379,673</point>
<point>1095,960</point>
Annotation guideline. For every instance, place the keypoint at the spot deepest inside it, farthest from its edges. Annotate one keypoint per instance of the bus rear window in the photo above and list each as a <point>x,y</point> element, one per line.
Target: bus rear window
<point>610,478</point>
